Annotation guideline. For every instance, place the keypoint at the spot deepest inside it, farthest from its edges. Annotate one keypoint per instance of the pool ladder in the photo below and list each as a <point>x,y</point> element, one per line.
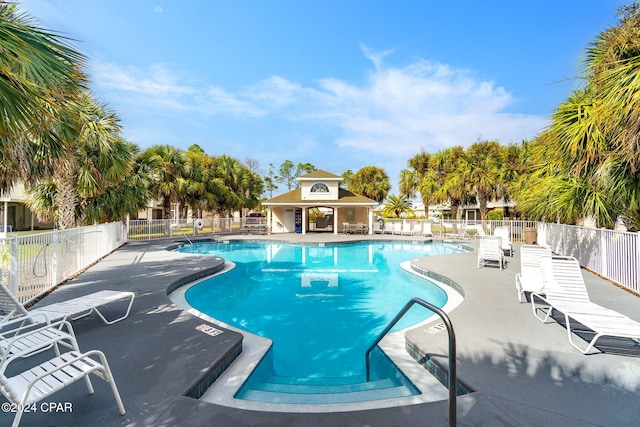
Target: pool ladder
<point>452,380</point>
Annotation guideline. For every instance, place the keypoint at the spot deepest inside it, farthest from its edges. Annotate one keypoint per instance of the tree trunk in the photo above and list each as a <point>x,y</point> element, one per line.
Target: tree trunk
<point>65,197</point>
<point>166,207</point>
<point>482,203</point>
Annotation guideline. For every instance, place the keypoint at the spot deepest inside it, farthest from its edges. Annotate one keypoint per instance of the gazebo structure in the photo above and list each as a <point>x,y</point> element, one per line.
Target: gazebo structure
<point>334,209</point>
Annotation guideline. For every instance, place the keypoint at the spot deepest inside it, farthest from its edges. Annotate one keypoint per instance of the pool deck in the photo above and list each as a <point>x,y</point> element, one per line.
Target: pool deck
<point>523,372</point>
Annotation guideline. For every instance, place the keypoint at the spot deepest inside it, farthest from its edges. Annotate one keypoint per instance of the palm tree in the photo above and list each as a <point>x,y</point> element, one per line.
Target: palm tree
<point>480,168</point>
<point>372,182</point>
<point>37,70</point>
<point>422,179</point>
<point>589,154</point>
<point>452,187</point>
<point>409,180</point>
<point>95,157</point>
<point>126,196</point>
<point>168,166</point>
<point>397,205</point>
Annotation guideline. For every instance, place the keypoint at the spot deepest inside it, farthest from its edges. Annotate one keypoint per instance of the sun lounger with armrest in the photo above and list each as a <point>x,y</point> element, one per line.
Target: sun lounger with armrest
<point>530,277</point>
<point>71,309</point>
<point>566,292</point>
<point>503,233</point>
<point>490,250</point>
<point>26,388</point>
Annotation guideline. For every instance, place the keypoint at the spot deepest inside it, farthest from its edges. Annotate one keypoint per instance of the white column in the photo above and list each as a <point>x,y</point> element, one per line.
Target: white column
<point>370,210</point>
<point>304,220</point>
<point>335,220</point>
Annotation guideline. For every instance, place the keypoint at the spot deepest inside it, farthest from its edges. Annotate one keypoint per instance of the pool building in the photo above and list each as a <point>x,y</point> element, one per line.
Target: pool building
<point>320,191</point>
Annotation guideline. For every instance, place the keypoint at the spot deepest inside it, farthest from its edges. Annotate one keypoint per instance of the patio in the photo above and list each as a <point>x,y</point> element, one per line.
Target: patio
<point>522,372</point>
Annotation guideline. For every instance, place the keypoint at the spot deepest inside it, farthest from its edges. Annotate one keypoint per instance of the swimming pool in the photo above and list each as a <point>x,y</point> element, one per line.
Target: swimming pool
<point>321,305</point>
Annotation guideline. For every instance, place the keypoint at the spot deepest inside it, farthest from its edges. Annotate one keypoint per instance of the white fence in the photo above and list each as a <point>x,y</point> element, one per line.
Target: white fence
<point>34,264</point>
<point>31,265</point>
<point>611,254</point>
<point>456,228</point>
<point>141,229</point>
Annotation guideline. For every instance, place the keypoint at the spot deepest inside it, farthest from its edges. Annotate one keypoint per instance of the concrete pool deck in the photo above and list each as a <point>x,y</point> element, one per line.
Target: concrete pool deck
<point>522,372</point>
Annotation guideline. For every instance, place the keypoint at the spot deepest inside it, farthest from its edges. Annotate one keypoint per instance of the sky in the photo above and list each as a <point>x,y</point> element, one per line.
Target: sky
<point>340,84</point>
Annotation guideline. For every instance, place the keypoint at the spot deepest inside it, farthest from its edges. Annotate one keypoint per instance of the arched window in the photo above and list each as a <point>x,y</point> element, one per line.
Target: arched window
<point>319,188</point>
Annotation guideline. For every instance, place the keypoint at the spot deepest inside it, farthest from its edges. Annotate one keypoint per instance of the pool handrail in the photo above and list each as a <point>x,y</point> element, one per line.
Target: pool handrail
<point>452,380</point>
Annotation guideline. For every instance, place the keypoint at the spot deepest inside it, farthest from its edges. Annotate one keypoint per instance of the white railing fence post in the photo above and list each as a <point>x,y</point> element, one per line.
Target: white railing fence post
<point>14,249</point>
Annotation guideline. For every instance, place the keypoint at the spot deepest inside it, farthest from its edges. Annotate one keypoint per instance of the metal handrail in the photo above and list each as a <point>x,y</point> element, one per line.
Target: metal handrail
<point>452,349</point>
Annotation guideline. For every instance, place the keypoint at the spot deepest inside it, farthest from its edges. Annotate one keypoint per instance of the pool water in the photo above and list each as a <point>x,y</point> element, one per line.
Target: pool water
<point>322,306</point>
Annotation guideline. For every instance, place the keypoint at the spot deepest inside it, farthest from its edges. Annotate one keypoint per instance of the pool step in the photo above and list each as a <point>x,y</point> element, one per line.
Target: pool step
<point>327,397</point>
<point>280,389</point>
<point>323,389</point>
<point>317,381</point>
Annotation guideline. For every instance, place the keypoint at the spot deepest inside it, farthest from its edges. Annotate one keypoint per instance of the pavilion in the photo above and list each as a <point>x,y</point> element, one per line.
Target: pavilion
<point>320,191</point>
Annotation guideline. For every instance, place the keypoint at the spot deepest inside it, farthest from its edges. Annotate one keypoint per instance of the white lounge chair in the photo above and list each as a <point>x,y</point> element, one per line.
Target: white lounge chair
<point>416,228</point>
<point>426,229</point>
<point>71,309</point>
<point>406,228</point>
<point>503,233</point>
<point>530,277</point>
<point>31,335</point>
<point>566,292</point>
<point>490,250</point>
<point>388,228</point>
<point>479,232</point>
<point>37,383</point>
<point>397,228</point>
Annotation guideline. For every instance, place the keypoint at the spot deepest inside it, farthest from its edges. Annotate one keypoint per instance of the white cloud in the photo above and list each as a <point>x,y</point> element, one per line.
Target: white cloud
<point>396,112</point>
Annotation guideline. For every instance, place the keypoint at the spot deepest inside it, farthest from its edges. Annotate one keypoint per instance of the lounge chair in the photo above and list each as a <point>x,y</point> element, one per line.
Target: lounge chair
<point>397,228</point>
<point>479,232</point>
<point>23,390</point>
<point>490,250</point>
<point>462,231</point>
<point>388,227</point>
<point>530,277</point>
<point>34,334</point>
<point>566,292</point>
<point>406,228</point>
<point>71,309</point>
<point>503,233</point>
<point>426,229</point>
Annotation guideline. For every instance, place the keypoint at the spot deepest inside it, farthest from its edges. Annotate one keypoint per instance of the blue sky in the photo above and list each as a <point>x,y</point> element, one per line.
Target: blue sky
<point>339,84</point>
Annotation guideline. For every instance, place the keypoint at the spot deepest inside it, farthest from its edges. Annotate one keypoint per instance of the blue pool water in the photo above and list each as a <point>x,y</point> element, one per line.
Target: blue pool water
<point>321,305</point>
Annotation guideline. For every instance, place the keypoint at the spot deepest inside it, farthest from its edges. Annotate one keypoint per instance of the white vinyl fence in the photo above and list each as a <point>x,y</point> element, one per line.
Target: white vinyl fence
<point>34,264</point>
<point>609,253</point>
<point>142,229</point>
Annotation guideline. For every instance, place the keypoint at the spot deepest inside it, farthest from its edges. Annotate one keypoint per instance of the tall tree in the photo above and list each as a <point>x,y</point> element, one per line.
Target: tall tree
<point>372,182</point>
<point>289,172</point>
<point>37,70</point>
<point>480,169</point>
<point>95,157</point>
<point>452,187</point>
<point>287,175</point>
<point>590,166</point>
<point>168,169</point>
<point>270,181</point>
